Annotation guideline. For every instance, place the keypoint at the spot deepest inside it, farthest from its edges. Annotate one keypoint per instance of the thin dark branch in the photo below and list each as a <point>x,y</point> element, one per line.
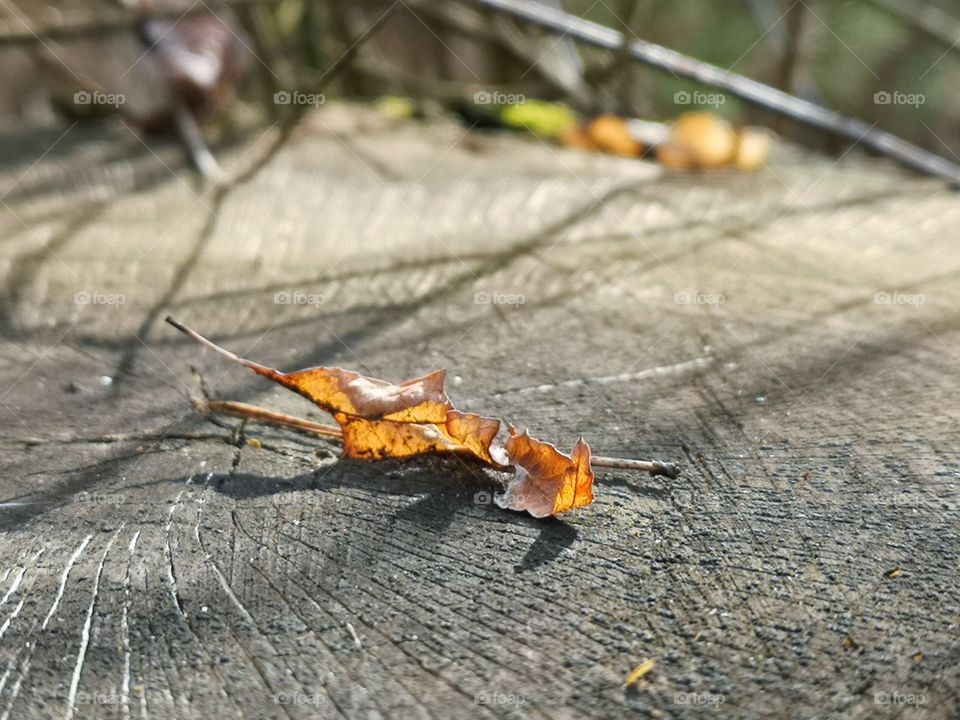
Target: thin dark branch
<point>931,21</point>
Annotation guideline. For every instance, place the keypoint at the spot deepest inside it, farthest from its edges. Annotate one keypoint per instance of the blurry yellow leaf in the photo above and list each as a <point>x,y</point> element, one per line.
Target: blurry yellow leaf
<point>543,118</point>
<point>398,108</point>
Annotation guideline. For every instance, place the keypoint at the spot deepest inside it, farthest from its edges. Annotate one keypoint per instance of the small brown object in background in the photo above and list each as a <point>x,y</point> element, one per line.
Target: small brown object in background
<point>200,59</point>
<point>702,141</point>
<point>753,148</point>
<point>699,140</point>
<point>612,134</point>
<point>575,138</point>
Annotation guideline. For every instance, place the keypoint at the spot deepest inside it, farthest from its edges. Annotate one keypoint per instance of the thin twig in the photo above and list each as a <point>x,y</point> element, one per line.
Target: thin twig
<point>259,414</point>
<point>654,467</point>
<point>930,20</point>
<point>195,144</point>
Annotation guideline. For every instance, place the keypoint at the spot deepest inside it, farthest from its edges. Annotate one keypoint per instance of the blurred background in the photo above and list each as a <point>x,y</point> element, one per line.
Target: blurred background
<point>241,64</point>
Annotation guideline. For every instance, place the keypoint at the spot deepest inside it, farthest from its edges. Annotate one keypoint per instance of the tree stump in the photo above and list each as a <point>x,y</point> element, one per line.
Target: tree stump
<point>792,337</point>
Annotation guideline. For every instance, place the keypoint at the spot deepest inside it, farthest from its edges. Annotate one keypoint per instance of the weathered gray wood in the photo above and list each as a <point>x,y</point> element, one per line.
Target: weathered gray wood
<point>156,565</point>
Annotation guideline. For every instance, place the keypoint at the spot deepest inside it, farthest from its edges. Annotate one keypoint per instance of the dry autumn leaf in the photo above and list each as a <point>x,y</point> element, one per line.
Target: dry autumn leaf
<point>546,481</point>
<point>380,420</point>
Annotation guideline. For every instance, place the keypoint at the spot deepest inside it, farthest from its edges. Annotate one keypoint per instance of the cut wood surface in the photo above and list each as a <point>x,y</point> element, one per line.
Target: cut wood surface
<point>792,337</point>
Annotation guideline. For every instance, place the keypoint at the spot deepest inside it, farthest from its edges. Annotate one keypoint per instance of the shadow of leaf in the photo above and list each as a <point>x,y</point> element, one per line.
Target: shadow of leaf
<point>445,488</point>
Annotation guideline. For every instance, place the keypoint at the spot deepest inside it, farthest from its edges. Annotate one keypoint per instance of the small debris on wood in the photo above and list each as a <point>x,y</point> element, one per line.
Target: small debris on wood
<point>639,672</point>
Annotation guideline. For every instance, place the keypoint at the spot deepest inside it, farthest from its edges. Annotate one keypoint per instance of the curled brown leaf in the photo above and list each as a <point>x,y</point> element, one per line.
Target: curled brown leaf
<point>546,481</point>
<point>381,420</point>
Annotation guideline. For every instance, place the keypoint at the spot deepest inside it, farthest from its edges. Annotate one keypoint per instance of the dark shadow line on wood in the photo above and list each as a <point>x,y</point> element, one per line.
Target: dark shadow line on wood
<point>25,267</point>
<point>389,316</point>
<point>124,367</point>
<point>63,493</point>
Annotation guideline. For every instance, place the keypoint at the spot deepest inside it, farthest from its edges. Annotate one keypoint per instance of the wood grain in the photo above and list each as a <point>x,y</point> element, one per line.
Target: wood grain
<point>156,565</point>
